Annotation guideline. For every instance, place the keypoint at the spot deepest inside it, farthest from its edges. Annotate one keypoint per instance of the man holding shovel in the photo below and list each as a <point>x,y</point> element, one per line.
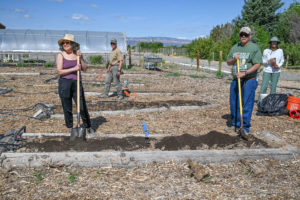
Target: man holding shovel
<point>114,70</point>
<point>69,64</point>
<point>246,58</point>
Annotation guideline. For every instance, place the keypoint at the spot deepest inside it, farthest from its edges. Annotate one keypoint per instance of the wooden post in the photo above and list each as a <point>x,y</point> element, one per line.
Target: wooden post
<point>129,56</point>
<point>287,61</point>
<point>197,60</point>
<point>220,61</point>
<point>124,61</point>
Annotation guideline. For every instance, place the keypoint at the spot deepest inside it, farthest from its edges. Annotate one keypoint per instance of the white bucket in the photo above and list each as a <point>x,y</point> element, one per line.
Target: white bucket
<point>262,96</point>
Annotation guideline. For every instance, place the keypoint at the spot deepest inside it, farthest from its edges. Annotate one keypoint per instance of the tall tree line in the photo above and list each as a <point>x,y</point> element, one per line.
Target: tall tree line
<point>265,21</point>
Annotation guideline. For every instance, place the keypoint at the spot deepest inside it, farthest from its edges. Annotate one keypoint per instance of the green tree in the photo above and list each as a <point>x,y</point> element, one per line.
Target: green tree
<point>293,51</point>
<point>261,12</point>
<point>288,25</point>
<point>204,45</point>
<point>223,45</point>
<point>222,31</point>
<point>263,38</point>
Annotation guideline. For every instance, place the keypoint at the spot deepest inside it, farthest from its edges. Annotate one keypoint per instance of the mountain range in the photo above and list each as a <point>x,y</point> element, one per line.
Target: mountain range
<point>167,41</point>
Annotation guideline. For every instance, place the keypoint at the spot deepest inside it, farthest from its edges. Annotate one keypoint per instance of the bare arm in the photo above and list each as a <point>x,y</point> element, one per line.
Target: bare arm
<point>230,62</point>
<point>59,65</point>
<point>120,65</point>
<point>83,65</point>
<point>249,71</point>
<point>108,68</point>
<point>82,62</point>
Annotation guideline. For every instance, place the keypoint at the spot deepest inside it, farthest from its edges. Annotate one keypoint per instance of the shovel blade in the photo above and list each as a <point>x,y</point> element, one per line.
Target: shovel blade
<point>74,134</point>
<point>82,133</point>
<point>242,134</point>
<point>78,133</point>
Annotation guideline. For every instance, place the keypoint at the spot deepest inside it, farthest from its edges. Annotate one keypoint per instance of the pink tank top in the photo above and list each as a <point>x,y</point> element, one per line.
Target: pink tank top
<point>67,64</point>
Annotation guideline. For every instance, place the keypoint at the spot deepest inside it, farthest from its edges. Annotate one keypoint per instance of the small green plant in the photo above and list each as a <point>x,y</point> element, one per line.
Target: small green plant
<point>39,176</point>
<point>141,62</point>
<point>176,74</point>
<point>123,65</point>
<point>19,64</point>
<point>206,179</point>
<point>220,74</point>
<point>171,66</point>
<point>49,64</point>
<point>95,60</point>
<point>197,76</point>
<point>72,178</point>
<point>131,68</point>
<point>127,131</point>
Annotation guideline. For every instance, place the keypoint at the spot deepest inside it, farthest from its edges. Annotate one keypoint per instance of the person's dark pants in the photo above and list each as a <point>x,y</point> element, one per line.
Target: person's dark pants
<point>67,89</point>
<point>248,95</point>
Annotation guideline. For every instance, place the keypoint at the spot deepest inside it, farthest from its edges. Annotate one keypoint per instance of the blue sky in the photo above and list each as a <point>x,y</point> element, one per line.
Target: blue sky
<point>168,18</point>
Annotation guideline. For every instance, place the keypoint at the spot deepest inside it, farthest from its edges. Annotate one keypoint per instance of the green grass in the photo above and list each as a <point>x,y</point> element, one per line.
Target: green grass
<point>39,176</point>
<point>176,74</point>
<point>220,74</point>
<point>72,178</point>
<point>293,67</point>
<point>171,66</point>
<point>207,179</point>
<point>197,76</point>
<point>131,68</point>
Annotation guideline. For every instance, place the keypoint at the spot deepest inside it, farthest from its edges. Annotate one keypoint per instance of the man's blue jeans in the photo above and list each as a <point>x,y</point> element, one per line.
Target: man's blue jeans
<point>248,95</point>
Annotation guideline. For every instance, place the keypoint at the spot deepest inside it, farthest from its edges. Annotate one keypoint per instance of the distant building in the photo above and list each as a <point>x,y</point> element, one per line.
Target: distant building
<point>22,44</point>
<point>2,26</point>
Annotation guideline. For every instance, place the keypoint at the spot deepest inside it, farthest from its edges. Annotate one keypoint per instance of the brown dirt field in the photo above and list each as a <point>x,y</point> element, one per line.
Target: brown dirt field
<point>29,91</point>
<point>245,179</point>
<point>212,140</point>
<point>261,179</point>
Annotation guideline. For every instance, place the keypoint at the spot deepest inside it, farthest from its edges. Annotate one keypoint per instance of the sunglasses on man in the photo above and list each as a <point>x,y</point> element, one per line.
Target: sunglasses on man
<point>244,35</point>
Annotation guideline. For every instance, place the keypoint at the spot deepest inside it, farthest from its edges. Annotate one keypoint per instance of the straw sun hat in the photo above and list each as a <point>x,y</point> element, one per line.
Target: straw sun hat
<point>68,37</point>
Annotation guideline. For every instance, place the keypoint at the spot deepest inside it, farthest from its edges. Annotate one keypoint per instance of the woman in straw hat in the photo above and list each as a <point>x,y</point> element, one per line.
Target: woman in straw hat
<point>273,59</point>
<point>67,68</point>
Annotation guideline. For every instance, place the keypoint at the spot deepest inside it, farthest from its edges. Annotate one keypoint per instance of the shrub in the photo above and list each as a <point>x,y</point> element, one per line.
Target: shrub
<point>95,60</point>
<point>49,64</point>
<point>219,74</point>
<point>176,74</point>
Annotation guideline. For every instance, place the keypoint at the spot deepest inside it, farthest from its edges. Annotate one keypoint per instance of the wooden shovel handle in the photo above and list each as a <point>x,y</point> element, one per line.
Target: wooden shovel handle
<point>78,86</point>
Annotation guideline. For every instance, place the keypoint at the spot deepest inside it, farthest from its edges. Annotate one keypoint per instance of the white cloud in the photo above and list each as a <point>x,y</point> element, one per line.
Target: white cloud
<point>94,6</point>
<point>18,10</point>
<point>27,16</point>
<point>80,17</point>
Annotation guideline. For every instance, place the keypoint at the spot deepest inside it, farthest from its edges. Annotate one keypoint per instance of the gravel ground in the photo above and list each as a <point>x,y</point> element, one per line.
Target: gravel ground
<point>245,179</point>
<point>201,86</point>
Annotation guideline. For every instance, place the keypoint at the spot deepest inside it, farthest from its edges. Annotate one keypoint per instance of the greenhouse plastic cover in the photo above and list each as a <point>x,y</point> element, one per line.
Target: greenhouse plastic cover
<point>14,40</point>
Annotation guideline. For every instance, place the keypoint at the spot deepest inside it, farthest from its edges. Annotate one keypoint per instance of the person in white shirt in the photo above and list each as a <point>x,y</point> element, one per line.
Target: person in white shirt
<point>273,59</point>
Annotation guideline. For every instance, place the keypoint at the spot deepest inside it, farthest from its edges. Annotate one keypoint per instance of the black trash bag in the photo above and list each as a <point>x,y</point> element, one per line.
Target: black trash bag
<point>273,105</point>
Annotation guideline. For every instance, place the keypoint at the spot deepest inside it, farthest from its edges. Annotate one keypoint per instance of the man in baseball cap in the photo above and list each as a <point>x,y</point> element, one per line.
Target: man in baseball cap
<point>250,57</point>
<point>114,70</point>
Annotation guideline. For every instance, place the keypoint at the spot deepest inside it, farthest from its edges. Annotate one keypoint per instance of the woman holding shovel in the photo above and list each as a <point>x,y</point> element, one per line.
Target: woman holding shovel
<point>69,64</point>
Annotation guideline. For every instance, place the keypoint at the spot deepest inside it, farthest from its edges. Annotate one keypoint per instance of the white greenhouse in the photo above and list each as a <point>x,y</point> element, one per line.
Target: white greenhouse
<point>16,45</point>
